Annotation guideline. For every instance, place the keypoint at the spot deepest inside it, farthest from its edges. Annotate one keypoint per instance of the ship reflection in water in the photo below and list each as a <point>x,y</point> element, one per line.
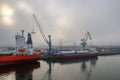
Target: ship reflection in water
<point>63,69</point>
<point>18,72</point>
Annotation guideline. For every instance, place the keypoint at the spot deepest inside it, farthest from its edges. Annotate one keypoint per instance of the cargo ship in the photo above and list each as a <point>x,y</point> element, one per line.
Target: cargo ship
<point>23,51</point>
<point>69,54</point>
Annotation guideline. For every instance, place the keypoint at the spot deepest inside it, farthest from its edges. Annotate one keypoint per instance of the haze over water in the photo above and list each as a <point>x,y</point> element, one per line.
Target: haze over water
<point>103,68</point>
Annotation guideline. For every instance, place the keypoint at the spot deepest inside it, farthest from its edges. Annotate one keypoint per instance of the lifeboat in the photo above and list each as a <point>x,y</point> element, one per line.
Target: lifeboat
<point>22,50</point>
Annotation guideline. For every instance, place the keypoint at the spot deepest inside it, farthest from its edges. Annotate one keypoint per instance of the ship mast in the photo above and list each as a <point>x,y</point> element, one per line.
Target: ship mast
<point>22,31</point>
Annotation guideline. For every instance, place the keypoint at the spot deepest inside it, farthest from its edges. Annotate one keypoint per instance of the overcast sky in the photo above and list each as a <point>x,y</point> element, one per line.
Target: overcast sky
<point>66,20</point>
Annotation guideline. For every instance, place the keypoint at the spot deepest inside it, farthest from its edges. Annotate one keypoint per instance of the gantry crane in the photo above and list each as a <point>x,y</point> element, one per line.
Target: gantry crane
<point>48,41</point>
<point>84,40</point>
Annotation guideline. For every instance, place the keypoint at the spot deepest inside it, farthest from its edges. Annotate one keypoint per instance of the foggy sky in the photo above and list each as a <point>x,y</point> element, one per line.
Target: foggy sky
<point>66,20</point>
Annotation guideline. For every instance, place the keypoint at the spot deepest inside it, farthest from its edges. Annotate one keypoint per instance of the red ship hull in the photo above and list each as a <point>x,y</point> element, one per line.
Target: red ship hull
<point>69,56</point>
<point>7,60</point>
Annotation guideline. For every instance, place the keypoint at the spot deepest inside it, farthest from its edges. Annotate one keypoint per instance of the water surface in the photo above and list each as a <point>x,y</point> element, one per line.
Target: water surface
<point>103,68</point>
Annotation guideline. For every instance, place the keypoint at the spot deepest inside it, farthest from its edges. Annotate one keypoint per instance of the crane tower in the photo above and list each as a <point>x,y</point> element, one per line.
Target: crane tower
<point>84,40</point>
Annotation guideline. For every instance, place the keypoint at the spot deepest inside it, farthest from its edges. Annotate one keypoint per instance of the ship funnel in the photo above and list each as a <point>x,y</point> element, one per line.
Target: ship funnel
<point>29,41</point>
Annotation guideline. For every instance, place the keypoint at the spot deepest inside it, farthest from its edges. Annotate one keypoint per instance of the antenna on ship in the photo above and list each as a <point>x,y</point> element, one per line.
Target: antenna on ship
<point>22,32</point>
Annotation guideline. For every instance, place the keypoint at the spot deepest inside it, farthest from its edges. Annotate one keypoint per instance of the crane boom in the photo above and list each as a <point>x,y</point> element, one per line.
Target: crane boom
<point>43,35</point>
<point>88,36</point>
<point>41,31</point>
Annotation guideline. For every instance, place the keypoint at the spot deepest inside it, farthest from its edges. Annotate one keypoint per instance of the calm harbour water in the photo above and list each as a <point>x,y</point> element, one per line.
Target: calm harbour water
<point>103,68</point>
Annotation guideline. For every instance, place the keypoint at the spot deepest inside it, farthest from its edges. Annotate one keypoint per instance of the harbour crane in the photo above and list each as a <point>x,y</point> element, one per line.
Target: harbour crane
<point>84,40</point>
<point>48,41</point>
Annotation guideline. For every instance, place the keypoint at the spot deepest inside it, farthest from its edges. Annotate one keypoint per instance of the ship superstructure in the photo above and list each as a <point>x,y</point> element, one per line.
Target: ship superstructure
<point>23,47</point>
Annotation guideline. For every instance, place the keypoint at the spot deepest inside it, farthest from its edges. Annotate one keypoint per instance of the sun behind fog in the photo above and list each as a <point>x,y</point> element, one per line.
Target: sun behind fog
<point>7,14</point>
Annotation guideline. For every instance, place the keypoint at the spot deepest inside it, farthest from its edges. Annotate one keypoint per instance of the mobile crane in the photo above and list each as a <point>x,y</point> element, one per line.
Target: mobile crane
<point>48,41</point>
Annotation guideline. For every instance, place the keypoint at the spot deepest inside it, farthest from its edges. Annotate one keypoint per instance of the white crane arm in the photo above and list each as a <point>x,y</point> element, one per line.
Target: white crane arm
<point>41,31</point>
